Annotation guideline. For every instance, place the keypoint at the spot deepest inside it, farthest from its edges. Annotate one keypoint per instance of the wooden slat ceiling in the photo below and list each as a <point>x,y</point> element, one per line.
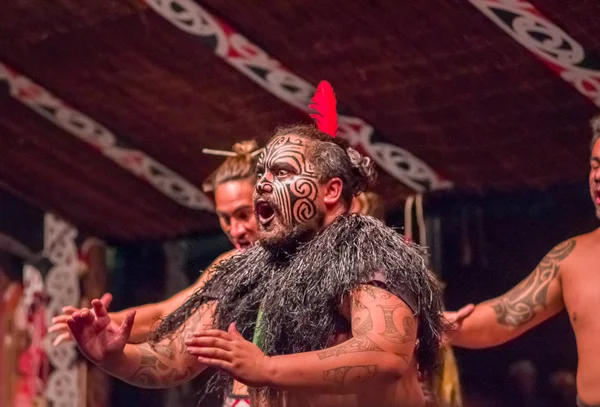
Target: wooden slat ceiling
<point>438,78</point>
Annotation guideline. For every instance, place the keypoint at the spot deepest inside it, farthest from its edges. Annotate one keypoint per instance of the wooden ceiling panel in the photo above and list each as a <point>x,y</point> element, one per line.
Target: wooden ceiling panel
<point>438,78</point>
<point>61,173</point>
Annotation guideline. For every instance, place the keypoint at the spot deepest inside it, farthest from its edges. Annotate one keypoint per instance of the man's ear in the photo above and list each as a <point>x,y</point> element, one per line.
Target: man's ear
<point>333,191</point>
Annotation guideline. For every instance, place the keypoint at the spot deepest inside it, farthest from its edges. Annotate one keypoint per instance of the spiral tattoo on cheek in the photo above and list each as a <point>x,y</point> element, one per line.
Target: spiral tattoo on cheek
<point>303,193</point>
<point>295,196</point>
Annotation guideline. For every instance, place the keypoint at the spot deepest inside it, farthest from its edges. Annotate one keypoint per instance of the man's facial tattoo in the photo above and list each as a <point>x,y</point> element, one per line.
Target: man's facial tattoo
<point>294,183</point>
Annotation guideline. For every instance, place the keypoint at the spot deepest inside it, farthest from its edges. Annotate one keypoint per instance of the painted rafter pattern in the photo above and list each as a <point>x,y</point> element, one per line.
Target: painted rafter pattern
<point>547,41</point>
<point>270,74</point>
<point>105,141</point>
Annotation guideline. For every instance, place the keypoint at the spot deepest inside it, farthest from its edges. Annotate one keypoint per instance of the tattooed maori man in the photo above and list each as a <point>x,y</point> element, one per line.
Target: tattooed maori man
<point>330,309</point>
<point>567,277</point>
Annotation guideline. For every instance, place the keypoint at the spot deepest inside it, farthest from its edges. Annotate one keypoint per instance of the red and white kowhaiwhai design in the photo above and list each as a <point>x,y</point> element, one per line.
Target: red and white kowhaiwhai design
<point>548,42</point>
<point>88,130</point>
<point>270,74</point>
<point>235,402</point>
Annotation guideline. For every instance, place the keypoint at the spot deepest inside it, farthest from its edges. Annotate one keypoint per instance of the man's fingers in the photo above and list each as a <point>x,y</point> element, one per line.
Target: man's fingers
<point>64,337</point>
<point>234,332</point>
<point>221,364</point>
<point>69,309</point>
<point>450,316</point>
<point>214,333</point>
<point>211,353</point>
<point>78,322</point>
<point>60,319</point>
<point>85,315</point>
<point>465,312</point>
<point>62,326</point>
<point>99,308</point>
<point>127,324</point>
<point>208,342</point>
<point>106,300</point>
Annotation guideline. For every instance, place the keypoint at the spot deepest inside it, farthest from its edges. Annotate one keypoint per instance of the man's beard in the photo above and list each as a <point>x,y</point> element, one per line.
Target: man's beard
<point>286,238</point>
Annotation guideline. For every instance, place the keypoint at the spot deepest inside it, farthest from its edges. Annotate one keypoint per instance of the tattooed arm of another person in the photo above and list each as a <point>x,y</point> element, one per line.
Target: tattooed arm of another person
<point>534,300</point>
<point>384,333</point>
<point>146,316</point>
<point>160,365</point>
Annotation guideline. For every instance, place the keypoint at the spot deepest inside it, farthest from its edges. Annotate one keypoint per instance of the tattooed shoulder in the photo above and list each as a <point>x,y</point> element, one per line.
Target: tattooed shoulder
<point>522,303</point>
<point>375,293</point>
<point>391,332</point>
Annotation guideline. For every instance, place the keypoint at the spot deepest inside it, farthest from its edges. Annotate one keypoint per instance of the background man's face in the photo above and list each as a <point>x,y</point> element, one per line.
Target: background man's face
<point>288,196</point>
<point>233,201</point>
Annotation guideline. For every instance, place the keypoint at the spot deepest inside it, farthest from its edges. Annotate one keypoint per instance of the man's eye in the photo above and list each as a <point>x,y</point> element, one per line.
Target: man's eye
<point>282,173</point>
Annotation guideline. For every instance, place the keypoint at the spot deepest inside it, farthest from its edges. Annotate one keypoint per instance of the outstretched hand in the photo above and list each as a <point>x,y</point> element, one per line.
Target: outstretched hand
<point>59,323</point>
<point>229,351</point>
<point>96,335</point>
<point>455,319</point>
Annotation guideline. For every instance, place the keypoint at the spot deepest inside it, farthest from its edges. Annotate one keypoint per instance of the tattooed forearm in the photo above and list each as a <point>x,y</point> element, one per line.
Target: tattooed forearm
<point>354,345</point>
<point>167,363</point>
<point>353,374</point>
<point>391,332</point>
<point>159,367</point>
<point>520,304</point>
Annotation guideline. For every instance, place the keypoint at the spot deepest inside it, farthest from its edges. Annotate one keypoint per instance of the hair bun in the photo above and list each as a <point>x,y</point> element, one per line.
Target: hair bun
<point>365,169</point>
<point>245,147</point>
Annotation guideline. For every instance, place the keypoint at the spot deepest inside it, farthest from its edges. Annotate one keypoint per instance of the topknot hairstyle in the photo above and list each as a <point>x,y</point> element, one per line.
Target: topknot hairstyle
<point>240,166</point>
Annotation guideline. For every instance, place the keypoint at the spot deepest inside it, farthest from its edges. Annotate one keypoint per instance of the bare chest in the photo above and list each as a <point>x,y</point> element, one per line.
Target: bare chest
<point>581,293</point>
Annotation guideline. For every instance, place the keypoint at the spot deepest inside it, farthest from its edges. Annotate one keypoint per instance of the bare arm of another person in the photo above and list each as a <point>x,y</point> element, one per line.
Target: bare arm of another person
<point>528,304</point>
<point>384,334</point>
<point>146,315</point>
<point>145,365</point>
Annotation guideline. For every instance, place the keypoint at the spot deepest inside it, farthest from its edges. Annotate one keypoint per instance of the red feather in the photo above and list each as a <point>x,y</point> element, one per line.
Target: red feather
<point>324,110</point>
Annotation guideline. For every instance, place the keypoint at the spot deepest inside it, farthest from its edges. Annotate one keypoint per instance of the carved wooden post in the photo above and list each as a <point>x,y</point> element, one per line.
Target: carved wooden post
<point>60,287</point>
<point>93,255</point>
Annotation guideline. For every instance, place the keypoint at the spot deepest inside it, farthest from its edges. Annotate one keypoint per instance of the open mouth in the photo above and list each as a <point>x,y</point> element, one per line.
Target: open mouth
<point>242,244</point>
<point>264,211</point>
<point>597,200</point>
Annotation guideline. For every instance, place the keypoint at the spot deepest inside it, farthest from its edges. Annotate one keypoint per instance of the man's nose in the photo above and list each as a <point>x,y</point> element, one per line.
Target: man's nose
<point>237,228</point>
<point>264,185</point>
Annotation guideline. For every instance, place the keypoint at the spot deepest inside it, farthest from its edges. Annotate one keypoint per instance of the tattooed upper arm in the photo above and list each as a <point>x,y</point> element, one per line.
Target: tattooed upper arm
<point>540,294</point>
<point>384,319</point>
